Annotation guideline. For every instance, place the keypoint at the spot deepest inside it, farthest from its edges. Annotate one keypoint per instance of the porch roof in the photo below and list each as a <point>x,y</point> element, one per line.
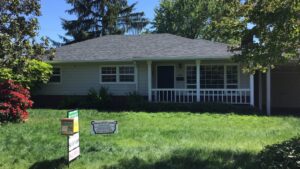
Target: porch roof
<point>141,47</point>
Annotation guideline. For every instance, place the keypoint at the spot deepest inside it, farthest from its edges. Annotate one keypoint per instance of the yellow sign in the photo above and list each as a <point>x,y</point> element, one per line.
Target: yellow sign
<point>69,126</point>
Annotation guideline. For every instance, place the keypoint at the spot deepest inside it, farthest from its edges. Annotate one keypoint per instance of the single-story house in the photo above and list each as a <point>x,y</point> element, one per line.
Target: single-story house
<point>169,68</point>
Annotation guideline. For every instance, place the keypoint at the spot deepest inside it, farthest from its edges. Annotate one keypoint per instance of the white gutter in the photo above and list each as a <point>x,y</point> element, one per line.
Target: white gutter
<point>135,59</point>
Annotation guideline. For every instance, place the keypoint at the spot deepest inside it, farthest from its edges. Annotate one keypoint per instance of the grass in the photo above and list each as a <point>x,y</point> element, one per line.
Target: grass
<point>145,140</point>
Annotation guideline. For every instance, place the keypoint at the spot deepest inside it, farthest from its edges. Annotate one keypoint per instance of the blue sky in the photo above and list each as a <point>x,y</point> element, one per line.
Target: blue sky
<point>53,10</point>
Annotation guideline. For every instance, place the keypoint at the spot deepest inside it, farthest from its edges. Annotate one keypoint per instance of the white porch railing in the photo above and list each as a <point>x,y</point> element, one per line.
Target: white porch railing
<point>228,96</point>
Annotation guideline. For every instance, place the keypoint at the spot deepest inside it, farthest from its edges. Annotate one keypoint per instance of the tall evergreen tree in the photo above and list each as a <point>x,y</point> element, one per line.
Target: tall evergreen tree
<point>102,17</point>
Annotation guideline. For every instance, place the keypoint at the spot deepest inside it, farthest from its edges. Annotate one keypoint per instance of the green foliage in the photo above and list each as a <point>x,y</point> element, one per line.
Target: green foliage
<point>262,33</point>
<point>99,18</point>
<point>70,102</point>
<point>18,31</point>
<point>5,73</point>
<point>283,155</point>
<point>197,108</point>
<point>34,73</point>
<point>101,99</point>
<point>136,101</point>
<point>216,20</point>
<point>274,37</point>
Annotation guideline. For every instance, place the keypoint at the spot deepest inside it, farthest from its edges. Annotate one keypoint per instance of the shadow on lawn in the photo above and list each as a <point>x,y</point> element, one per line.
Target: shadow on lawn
<point>192,159</point>
<point>50,164</point>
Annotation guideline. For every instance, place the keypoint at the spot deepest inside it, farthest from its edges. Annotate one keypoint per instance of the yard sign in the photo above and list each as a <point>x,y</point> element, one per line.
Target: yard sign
<point>70,127</point>
<point>73,140</point>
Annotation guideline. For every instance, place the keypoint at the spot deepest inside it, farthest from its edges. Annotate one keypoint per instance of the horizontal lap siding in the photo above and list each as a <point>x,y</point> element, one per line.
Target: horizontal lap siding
<point>77,79</point>
<point>142,78</point>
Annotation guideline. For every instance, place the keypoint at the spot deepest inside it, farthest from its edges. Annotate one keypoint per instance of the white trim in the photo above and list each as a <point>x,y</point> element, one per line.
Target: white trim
<point>117,74</point>
<point>260,88</point>
<point>198,80</point>
<point>225,77</point>
<point>60,70</point>
<point>162,64</point>
<point>251,89</point>
<point>187,58</point>
<point>229,96</point>
<point>225,72</point>
<point>185,72</point>
<point>149,71</point>
<point>136,77</point>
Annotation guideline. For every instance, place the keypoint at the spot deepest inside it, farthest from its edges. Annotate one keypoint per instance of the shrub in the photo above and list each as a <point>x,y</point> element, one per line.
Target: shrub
<point>283,155</point>
<point>100,100</point>
<point>136,101</point>
<point>34,73</point>
<point>71,102</point>
<point>14,101</point>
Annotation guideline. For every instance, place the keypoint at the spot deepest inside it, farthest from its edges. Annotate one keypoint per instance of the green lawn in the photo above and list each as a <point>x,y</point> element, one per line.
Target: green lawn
<point>145,140</point>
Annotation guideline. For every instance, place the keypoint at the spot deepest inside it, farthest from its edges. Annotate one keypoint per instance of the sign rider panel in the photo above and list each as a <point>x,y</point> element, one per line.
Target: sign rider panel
<point>70,127</point>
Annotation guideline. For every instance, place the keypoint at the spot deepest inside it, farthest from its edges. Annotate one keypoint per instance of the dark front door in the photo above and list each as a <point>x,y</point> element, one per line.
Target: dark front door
<point>165,77</point>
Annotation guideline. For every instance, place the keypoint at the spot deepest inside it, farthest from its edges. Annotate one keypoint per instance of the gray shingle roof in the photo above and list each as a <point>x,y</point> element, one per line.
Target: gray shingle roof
<point>141,47</point>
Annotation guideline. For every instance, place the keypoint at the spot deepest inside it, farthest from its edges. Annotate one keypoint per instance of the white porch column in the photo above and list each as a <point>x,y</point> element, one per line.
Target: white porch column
<point>260,92</point>
<point>269,92</point>
<point>149,64</point>
<point>198,79</point>
<point>252,90</point>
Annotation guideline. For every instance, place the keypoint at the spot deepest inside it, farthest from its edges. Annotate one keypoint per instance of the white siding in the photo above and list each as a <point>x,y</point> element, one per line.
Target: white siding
<point>78,78</point>
<point>142,78</point>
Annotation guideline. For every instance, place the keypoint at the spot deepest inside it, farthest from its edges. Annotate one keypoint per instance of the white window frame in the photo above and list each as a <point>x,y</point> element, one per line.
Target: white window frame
<point>225,72</point>
<point>118,74</point>
<point>185,74</point>
<point>238,77</point>
<point>60,74</point>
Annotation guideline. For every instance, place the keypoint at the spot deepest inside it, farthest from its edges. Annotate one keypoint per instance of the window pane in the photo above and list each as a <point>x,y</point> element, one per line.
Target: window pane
<point>232,86</point>
<point>126,70</point>
<point>232,77</point>
<point>126,78</point>
<point>55,79</point>
<point>191,86</point>
<point>56,71</point>
<point>211,76</point>
<point>191,77</point>
<point>109,78</point>
<point>109,70</point>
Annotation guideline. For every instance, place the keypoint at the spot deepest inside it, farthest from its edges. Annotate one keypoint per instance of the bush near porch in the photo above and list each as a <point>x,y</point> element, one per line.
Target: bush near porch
<point>145,140</point>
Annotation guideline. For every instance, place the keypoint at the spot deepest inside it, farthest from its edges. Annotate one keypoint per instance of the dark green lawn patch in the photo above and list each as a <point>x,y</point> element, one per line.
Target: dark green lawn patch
<point>192,159</point>
<point>146,140</point>
<point>283,155</point>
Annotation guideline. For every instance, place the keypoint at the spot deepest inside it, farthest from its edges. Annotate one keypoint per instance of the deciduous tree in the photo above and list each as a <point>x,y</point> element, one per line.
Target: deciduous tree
<point>274,35</point>
<point>20,55</point>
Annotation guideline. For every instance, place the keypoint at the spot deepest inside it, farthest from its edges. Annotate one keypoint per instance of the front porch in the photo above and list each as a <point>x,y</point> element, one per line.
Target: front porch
<point>195,81</point>
<point>228,96</point>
